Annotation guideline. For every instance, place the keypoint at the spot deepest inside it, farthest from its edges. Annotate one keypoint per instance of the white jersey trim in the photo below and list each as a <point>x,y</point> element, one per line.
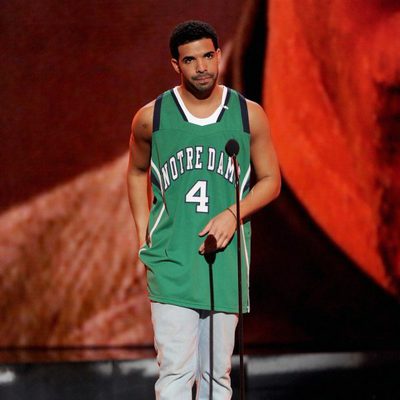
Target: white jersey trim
<point>162,209</point>
<point>201,121</point>
<point>246,253</point>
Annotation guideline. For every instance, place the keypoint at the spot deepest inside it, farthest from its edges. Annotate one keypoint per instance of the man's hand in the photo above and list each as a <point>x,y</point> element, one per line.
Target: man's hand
<point>221,228</point>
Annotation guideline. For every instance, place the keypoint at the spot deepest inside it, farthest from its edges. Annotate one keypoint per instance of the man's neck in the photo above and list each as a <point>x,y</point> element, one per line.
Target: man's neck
<point>201,103</point>
<point>196,97</point>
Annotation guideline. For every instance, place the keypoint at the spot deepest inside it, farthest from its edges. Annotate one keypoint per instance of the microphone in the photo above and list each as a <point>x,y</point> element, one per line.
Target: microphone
<point>232,147</point>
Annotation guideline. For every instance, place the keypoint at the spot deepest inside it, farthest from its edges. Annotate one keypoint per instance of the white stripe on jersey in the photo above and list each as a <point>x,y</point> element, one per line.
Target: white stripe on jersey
<point>246,253</point>
<point>154,167</point>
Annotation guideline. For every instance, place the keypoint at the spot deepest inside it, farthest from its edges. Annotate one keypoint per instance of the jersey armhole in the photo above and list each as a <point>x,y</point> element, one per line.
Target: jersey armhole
<point>157,113</point>
<point>245,113</point>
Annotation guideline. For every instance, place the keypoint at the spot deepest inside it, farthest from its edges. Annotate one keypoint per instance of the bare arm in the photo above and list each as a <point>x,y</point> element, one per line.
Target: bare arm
<point>139,162</point>
<point>266,188</point>
<point>265,163</point>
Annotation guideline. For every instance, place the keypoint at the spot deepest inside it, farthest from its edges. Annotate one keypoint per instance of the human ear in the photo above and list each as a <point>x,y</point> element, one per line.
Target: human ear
<point>175,65</point>
<point>218,51</point>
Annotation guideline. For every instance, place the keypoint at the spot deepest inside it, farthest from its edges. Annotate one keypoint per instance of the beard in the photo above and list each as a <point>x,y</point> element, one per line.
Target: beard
<point>203,82</point>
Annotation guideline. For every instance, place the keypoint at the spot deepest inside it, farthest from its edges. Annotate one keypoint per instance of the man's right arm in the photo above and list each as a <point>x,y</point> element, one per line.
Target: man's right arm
<point>139,163</point>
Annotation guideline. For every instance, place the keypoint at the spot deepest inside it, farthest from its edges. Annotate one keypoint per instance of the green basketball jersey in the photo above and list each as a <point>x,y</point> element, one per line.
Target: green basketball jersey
<point>193,181</point>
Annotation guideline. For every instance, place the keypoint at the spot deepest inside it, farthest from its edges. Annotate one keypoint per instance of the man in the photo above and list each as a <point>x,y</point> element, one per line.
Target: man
<point>180,138</point>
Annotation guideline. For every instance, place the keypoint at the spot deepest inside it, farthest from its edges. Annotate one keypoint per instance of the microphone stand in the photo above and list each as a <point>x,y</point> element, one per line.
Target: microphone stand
<point>239,268</point>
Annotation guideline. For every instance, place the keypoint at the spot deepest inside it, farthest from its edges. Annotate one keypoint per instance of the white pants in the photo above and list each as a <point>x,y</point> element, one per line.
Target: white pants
<point>182,342</point>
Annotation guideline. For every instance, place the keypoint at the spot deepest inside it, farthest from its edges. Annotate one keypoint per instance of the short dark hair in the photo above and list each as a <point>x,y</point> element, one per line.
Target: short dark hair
<point>190,31</point>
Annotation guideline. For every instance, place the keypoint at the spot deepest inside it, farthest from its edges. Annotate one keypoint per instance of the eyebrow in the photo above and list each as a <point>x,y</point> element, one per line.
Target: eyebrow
<point>204,55</point>
<point>188,58</point>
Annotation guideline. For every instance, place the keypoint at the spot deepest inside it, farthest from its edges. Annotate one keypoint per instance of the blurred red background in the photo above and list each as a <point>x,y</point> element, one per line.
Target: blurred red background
<point>325,268</point>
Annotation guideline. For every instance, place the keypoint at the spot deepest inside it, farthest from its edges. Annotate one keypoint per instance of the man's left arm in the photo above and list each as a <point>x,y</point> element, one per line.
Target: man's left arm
<point>265,163</point>
<point>266,188</point>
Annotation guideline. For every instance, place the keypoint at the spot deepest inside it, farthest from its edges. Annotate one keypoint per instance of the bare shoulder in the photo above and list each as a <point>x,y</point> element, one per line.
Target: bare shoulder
<point>142,123</point>
<point>257,117</point>
<point>262,149</point>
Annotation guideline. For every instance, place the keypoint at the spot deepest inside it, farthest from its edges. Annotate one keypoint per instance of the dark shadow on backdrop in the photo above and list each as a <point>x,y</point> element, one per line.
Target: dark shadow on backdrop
<point>305,292</point>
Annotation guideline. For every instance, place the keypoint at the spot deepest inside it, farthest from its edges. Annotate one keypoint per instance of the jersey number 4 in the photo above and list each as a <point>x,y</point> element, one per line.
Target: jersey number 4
<point>198,194</point>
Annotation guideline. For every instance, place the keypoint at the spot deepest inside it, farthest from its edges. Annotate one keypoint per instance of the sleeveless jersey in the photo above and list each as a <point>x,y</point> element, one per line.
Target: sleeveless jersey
<point>193,181</point>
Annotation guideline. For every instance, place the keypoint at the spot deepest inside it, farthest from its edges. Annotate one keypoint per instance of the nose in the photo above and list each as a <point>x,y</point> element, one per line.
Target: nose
<point>201,66</point>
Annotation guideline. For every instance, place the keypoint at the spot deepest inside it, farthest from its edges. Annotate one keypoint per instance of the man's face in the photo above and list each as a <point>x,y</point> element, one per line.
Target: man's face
<point>198,65</point>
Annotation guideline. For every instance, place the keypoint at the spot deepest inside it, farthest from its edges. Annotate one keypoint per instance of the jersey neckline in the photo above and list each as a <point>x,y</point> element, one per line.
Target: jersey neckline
<point>187,116</point>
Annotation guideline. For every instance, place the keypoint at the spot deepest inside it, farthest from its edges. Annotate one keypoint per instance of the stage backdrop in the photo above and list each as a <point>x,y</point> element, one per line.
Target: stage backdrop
<point>325,268</point>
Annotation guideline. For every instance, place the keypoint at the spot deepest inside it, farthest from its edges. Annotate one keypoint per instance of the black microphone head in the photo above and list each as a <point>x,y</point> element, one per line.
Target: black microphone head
<point>232,147</point>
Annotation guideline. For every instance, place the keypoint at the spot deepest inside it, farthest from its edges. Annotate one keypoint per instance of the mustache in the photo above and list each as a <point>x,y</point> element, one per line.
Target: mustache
<point>202,76</point>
